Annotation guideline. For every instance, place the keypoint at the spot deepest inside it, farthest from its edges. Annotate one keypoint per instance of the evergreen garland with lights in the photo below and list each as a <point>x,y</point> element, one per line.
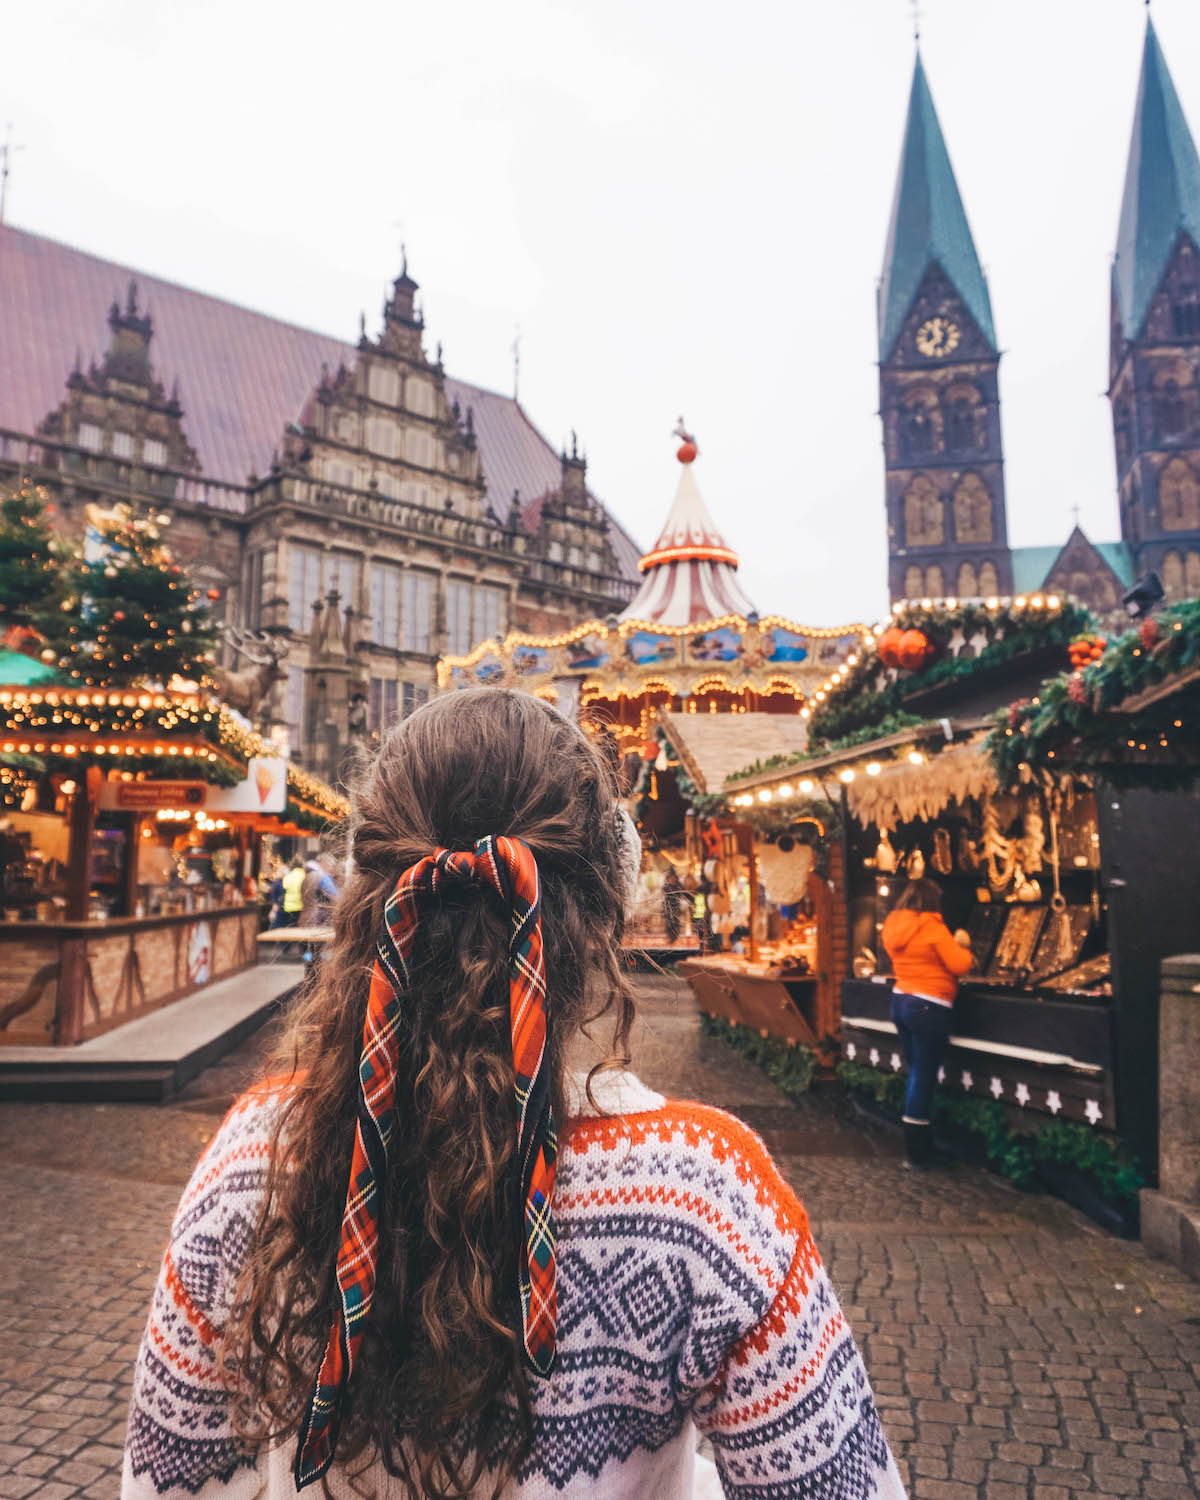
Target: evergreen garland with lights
<point>133,614</point>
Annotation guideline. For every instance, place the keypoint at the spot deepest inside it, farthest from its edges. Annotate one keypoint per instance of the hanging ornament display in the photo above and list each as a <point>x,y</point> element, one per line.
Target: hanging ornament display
<point>1085,649</point>
<point>889,647</point>
<point>999,853</point>
<point>941,859</point>
<point>1033,839</point>
<point>916,865</point>
<point>885,856</point>
<point>914,649</point>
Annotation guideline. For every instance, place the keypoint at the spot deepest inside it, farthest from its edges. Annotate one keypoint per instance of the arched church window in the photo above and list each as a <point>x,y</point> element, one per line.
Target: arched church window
<point>919,425</point>
<point>935,584</point>
<point>1122,432</point>
<point>923,525</point>
<point>1179,497</point>
<point>1170,408</point>
<point>1191,575</point>
<point>1104,596</point>
<point>912,583</point>
<point>962,426</point>
<point>1185,314</point>
<point>988,582</point>
<point>968,581</point>
<point>1172,575</point>
<point>972,510</point>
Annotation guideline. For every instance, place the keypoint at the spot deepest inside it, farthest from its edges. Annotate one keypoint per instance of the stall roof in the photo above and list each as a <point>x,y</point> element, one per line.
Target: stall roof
<point>713,746</point>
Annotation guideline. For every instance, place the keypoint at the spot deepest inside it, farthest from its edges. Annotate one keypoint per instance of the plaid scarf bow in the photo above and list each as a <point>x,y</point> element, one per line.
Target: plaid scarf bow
<point>508,867</point>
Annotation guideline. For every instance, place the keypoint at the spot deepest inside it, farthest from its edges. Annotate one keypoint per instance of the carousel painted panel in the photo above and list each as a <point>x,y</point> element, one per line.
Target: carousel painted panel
<point>648,648</point>
<point>587,653</point>
<point>723,644</point>
<point>529,661</point>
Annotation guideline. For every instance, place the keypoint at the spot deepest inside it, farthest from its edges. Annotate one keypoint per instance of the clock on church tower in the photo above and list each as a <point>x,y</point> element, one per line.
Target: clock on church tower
<point>938,337</point>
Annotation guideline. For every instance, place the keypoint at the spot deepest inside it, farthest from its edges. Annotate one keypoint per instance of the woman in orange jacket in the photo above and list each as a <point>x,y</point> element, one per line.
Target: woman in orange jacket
<point>928,963</point>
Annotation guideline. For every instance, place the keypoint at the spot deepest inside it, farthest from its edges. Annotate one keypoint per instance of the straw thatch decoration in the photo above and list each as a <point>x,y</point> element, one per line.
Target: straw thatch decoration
<point>903,792</point>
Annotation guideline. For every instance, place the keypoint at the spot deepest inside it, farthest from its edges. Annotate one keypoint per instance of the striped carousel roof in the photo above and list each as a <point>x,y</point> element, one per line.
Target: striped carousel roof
<point>690,574</point>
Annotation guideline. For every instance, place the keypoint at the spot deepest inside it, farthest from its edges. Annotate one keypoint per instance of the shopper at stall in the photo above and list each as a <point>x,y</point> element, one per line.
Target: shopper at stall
<point>436,1255</point>
<point>318,893</point>
<point>672,894</point>
<point>928,962</point>
<point>293,893</point>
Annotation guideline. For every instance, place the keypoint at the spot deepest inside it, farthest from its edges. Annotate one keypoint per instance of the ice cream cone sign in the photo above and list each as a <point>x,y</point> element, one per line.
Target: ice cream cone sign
<point>264,780</point>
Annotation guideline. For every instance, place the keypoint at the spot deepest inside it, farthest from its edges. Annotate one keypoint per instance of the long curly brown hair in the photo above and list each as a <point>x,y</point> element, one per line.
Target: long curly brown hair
<point>439,1391</point>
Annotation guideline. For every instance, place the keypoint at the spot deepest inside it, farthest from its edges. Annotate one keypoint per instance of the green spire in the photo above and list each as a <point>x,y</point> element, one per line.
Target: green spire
<point>1162,190</point>
<point>928,224</point>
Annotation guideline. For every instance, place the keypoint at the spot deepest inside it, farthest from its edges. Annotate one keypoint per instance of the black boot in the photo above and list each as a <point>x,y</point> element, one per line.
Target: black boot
<point>920,1149</point>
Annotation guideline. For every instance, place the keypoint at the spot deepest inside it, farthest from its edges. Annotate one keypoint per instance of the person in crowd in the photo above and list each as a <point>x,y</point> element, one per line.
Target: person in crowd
<point>318,893</point>
<point>293,892</point>
<point>432,1255</point>
<point>275,896</point>
<point>672,894</point>
<point>928,963</point>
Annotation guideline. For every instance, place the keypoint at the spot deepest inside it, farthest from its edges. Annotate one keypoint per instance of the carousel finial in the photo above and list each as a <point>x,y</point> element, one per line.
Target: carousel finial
<point>687,448</point>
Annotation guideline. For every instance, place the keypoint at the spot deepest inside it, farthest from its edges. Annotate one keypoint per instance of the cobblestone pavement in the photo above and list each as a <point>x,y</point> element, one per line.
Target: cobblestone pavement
<point>1015,1350</point>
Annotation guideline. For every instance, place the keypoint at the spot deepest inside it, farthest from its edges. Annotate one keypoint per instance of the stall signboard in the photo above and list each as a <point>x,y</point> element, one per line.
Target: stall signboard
<point>263,791</point>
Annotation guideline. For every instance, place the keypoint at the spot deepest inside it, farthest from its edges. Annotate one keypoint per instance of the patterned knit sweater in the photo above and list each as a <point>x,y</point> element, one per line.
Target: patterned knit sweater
<point>690,1296</point>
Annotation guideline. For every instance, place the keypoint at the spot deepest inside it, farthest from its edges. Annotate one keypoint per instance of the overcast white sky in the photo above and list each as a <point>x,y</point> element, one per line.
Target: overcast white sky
<point>683,206</point>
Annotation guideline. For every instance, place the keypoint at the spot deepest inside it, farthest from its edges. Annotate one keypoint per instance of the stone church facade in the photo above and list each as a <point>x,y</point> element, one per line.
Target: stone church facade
<point>939,399</point>
<point>355,499</point>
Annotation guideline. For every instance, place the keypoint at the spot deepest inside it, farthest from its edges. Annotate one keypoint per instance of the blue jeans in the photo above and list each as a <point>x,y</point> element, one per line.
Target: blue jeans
<point>924,1028</point>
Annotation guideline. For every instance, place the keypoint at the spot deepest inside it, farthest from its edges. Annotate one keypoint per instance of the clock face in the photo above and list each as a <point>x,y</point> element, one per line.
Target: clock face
<point>938,337</point>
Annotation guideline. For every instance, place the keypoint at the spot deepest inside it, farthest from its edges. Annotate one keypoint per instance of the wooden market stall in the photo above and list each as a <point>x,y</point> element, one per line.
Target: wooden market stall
<point>130,826</point>
<point>1064,831</point>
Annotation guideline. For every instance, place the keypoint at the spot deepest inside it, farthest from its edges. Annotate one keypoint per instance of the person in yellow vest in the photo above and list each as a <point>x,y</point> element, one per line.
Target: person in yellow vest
<point>293,886</point>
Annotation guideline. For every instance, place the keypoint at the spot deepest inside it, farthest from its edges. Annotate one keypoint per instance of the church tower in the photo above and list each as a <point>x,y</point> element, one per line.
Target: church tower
<point>938,392</point>
<point>1155,337</point>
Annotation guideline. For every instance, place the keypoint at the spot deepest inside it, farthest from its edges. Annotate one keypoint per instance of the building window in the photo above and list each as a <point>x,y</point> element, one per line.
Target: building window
<point>385,605</point>
<point>90,436</point>
<point>1179,497</point>
<point>458,618</point>
<point>1185,315</point>
<point>122,445</point>
<point>962,434</point>
<point>923,525</point>
<point>935,584</point>
<point>381,703</point>
<point>381,437</point>
<point>340,572</point>
<point>912,583</point>
<point>304,579</point>
<point>1172,575</point>
<point>1191,575</point>
<point>415,694</point>
<point>383,385</point>
<point>295,705</point>
<point>1170,409</point>
<point>419,447</point>
<point>972,510</point>
<point>418,610</point>
<point>154,452</point>
<point>918,425</point>
<point>254,589</point>
<point>488,603</point>
<point>968,581</point>
<point>988,582</point>
<point>418,396</point>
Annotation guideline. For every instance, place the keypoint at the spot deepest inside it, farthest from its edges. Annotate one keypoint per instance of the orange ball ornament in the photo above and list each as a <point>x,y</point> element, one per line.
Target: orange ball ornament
<point>650,750</point>
<point>913,649</point>
<point>889,647</point>
<point>687,452</point>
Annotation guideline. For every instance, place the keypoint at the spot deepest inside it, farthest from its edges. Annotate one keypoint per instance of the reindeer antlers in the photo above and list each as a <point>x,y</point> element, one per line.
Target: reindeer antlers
<point>250,643</point>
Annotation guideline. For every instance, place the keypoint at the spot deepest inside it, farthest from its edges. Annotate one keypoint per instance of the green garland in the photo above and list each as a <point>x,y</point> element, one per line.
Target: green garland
<point>1016,1155</point>
<point>789,1065</point>
<point>1070,724</point>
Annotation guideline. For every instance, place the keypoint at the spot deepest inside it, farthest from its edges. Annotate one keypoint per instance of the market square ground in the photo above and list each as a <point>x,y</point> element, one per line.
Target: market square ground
<point>1016,1351</point>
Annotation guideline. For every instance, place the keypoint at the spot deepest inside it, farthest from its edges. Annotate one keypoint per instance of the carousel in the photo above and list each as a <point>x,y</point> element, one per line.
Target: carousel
<point>690,642</point>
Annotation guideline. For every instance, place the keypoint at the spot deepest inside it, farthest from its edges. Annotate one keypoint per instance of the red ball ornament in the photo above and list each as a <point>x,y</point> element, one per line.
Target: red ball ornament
<point>913,649</point>
<point>650,750</point>
<point>1077,688</point>
<point>118,614</point>
<point>687,452</point>
<point>889,647</point>
<point>1149,633</point>
<point>214,594</point>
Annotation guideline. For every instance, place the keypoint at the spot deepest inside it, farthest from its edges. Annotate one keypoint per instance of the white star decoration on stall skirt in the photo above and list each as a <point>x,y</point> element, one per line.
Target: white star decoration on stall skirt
<point>896,1063</point>
<point>851,1050</point>
<point>874,1056</point>
<point>941,1075</point>
<point>995,1088</point>
<point>967,1081</point>
<point>1053,1102</point>
<point>1022,1094</point>
<point>1093,1111</point>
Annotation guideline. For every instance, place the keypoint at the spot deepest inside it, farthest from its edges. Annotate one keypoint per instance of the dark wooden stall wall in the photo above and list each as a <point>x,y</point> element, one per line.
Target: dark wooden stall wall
<point>1150,872</point>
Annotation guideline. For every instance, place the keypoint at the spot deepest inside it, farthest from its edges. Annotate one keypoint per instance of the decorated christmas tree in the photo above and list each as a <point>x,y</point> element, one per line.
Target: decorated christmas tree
<point>136,616</point>
<point>34,571</point>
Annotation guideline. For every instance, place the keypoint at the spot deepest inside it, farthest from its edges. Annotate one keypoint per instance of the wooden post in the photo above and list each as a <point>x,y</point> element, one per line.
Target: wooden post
<point>131,865</point>
<point>753,858</point>
<point>79,851</point>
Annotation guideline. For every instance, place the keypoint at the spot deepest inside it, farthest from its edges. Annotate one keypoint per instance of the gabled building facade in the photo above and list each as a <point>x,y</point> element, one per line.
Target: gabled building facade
<point>1154,356</point>
<point>355,496</point>
<point>938,392</point>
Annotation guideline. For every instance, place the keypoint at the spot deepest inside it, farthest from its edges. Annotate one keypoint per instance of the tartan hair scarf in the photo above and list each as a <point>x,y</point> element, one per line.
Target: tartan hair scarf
<point>508,867</point>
